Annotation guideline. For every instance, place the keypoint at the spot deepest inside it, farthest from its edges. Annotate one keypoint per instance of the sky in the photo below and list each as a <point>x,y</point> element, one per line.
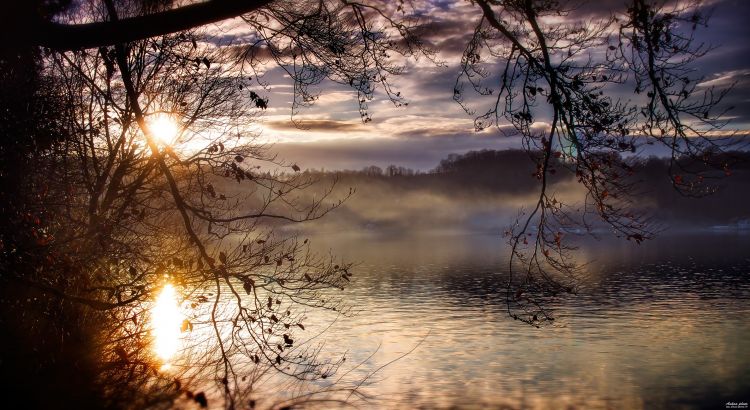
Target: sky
<point>433,125</point>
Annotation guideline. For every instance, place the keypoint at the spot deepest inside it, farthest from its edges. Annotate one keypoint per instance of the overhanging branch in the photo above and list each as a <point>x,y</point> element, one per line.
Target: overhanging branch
<point>80,36</point>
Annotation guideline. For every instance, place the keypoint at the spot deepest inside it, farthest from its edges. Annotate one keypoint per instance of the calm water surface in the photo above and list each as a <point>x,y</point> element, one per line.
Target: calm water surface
<point>661,325</point>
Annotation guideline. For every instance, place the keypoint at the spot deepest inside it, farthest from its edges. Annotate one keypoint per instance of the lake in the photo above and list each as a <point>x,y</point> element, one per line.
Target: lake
<point>660,325</point>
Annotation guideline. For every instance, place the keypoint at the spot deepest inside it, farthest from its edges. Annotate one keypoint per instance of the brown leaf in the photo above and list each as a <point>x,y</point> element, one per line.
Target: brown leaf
<point>121,353</point>
<point>186,325</point>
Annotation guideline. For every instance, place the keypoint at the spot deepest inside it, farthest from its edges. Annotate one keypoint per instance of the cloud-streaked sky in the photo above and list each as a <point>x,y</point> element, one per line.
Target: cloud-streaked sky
<point>433,125</point>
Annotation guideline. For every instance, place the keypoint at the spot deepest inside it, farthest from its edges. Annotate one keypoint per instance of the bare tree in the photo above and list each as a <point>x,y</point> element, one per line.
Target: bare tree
<point>128,205</point>
<point>160,179</point>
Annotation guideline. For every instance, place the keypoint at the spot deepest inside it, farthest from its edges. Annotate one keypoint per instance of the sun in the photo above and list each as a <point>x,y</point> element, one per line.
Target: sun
<point>164,128</point>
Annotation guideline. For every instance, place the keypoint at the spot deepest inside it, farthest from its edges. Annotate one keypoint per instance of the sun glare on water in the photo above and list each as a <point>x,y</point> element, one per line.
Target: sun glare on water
<point>164,128</point>
<point>165,321</point>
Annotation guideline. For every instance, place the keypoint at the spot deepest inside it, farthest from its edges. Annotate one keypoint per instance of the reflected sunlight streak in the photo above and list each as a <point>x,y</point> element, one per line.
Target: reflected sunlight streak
<point>165,321</point>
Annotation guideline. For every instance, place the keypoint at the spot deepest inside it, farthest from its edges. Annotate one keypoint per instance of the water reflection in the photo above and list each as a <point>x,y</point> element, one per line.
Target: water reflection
<point>661,325</point>
<point>165,322</point>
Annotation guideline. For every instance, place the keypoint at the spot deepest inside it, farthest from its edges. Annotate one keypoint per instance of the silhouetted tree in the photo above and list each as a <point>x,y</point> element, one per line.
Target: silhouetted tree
<point>108,208</point>
<point>372,170</point>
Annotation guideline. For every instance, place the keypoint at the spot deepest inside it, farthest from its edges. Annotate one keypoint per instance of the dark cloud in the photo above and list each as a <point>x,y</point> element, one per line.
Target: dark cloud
<point>448,36</point>
<point>433,125</point>
<point>728,31</point>
<point>315,125</point>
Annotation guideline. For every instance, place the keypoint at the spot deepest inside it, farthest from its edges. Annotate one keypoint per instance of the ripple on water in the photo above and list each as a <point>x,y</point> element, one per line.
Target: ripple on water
<point>647,330</point>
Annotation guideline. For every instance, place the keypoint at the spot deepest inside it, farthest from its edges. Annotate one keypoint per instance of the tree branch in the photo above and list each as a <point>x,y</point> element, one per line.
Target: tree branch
<point>65,37</point>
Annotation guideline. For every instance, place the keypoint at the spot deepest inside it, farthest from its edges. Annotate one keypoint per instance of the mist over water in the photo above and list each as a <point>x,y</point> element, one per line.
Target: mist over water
<point>489,190</point>
<point>656,325</point>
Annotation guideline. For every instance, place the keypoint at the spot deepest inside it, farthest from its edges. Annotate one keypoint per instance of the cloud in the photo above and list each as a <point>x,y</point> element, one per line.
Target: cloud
<point>315,125</point>
<point>725,79</point>
<point>434,125</point>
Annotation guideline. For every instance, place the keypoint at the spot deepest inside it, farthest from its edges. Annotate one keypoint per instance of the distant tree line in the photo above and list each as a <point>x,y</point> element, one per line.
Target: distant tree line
<point>510,172</point>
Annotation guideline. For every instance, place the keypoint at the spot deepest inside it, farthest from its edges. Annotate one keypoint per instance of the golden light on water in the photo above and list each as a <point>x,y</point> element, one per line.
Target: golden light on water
<point>164,128</point>
<point>165,321</point>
